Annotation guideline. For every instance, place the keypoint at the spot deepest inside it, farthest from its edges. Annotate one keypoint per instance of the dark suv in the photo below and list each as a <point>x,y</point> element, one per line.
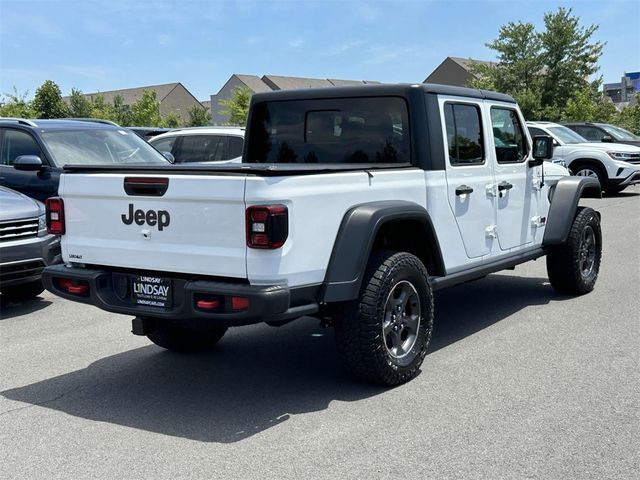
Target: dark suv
<point>604,132</point>
<point>33,152</point>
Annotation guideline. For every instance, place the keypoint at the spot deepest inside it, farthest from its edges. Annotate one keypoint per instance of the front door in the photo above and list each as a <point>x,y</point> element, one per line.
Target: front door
<point>516,192</point>
<point>469,173</point>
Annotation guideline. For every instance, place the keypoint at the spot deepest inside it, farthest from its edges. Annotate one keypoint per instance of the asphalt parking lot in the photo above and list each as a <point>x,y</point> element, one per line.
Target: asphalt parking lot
<point>520,382</point>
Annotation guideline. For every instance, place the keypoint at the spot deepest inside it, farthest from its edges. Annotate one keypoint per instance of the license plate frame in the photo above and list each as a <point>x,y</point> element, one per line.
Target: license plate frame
<point>152,291</point>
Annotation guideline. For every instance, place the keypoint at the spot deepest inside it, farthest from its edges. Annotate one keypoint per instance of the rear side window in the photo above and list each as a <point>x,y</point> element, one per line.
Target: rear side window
<point>17,143</point>
<point>590,133</point>
<point>344,130</point>
<point>464,134</point>
<point>509,138</point>
<point>201,148</point>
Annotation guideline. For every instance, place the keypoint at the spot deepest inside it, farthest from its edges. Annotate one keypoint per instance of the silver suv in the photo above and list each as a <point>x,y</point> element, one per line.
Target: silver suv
<point>25,246</point>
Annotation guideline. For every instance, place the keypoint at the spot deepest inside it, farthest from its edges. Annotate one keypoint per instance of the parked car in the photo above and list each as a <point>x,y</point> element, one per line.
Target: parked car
<point>604,132</point>
<point>33,152</point>
<point>25,246</point>
<point>202,144</point>
<point>615,166</point>
<point>147,133</point>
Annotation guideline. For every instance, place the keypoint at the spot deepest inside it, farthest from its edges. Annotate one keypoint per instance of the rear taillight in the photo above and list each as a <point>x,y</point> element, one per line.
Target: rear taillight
<point>75,287</point>
<point>55,216</point>
<point>267,226</point>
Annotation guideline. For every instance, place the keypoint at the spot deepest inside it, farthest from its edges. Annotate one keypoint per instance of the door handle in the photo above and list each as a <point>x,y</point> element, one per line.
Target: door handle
<point>463,190</point>
<point>504,186</point>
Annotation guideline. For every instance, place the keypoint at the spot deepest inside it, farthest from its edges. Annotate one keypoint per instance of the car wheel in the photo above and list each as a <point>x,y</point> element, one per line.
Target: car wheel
<point>186,340</point>
<point>591,171</point>
<point>573,267</point>
<point>23,292</point>
<point>383,336</point>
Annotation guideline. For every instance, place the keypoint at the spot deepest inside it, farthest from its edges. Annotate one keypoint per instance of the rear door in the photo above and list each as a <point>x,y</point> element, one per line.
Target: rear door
<point>469,173</point>
<point>176,223</point>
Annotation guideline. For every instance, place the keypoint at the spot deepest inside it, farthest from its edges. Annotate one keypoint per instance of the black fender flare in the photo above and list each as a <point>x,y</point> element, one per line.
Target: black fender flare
<point>564,203</point>
<point>354,242</point>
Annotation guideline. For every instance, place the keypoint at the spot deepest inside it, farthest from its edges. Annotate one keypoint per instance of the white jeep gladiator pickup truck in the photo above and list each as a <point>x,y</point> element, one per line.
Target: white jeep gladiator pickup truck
<point>351,203</point>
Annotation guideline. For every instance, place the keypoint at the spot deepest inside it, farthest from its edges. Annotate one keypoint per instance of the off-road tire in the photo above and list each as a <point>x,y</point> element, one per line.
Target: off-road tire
<point>573,267</point>
<point>23,292</point>
<point>362,345</point>
<point>185,340</point>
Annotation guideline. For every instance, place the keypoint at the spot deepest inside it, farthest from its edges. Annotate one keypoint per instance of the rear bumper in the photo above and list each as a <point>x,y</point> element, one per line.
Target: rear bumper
<point>22,261</point>
<point>110,291</point>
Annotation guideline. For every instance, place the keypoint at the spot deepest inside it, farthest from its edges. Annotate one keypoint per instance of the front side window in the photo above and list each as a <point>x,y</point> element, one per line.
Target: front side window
<point>17,143</point>
<point>341,130</point>
<point>508,135</point>
<point>620,133</point>
<point>464,134</point>
<point>164,144</point>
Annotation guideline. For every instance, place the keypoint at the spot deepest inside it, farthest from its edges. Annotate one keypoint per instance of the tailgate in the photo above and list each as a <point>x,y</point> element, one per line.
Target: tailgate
<point>196,226</point>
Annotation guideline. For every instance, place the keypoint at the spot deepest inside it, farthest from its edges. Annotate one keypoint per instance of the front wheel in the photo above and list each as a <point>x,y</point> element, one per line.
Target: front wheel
<point>574,266</point>
<point>591,171</point>
<point>383,336</point>
<point>186,340</point>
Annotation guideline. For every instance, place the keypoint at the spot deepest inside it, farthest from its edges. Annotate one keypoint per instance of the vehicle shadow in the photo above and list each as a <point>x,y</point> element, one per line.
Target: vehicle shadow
<point>257,377</point>
<point>623,194</point>
<point>10,309</point>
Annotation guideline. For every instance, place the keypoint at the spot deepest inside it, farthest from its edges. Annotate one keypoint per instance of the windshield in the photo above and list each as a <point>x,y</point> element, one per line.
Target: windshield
<point>100,147</point>
<point>566,135</point>
<point>619,133</point>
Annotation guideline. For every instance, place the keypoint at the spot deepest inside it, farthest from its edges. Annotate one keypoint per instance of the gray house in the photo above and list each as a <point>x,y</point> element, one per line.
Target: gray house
<point>454,71</point>
<point>268,83</point>
<point>173,98</point>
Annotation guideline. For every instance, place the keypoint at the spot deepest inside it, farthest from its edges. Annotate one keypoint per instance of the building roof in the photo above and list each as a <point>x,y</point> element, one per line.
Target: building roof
<point>277,82</point>
<point>253,82</point>
<point>466,63</point>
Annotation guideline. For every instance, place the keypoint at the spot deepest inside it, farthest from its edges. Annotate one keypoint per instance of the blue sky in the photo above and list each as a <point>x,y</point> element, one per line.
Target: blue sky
<point>104,45</point>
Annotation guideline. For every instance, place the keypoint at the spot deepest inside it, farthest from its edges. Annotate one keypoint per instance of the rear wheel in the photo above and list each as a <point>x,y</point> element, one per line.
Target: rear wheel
<point>573,267</point>
<point>23,292</point>
<point>383,336</point>
<point>185,340</point>
<point>592,171</point>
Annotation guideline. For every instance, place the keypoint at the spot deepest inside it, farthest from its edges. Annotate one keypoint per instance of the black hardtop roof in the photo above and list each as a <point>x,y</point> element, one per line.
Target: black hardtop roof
<point>401,89</point>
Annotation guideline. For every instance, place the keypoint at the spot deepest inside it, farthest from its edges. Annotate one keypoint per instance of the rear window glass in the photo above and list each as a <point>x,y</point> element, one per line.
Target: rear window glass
<point>345,130</point>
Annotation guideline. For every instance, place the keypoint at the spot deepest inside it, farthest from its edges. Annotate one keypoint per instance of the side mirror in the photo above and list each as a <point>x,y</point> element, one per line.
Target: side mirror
<point>607,139</point>
<point>29,163</point>
<point>542,150</point>
<point>169,156</point>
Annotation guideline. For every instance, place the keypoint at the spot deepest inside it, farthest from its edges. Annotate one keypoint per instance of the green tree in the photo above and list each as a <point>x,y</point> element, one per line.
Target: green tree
<point>146,111</point>
<point>100,108</point>
<point>48,101</point>
<point>79,105</point>
<point>198,117</point>
<point>121,113</point>
<point>16,105</point>
<point>544,70</point>
<point>171,120</point>
<point>585,106</point>
<point>629,117</point>
<point>237,107</point>
<point>569,59</point>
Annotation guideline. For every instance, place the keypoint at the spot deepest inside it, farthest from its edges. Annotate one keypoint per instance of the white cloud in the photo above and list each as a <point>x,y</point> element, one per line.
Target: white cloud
<point>296,43</point>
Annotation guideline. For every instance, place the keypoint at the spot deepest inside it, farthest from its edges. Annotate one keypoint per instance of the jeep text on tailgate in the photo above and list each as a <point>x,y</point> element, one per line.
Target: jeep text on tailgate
<point>352,204</point>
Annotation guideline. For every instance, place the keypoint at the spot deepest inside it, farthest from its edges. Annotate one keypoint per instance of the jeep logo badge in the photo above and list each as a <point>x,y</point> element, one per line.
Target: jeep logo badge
<point>161,218</point>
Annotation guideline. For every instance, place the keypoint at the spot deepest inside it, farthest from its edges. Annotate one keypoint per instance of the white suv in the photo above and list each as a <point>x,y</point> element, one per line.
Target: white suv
<point>616,166</point>
<point>202,144</point>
